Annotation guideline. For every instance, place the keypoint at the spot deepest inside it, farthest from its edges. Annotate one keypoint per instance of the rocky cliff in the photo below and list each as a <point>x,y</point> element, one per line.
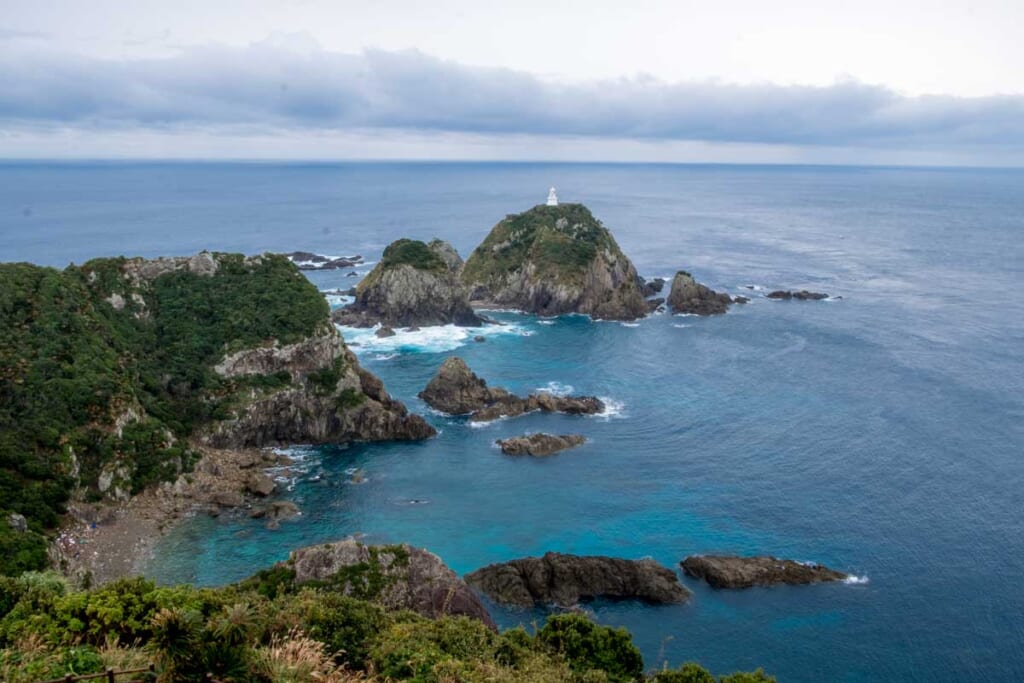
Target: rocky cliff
<point>689,296</point>
<point>413,284</point>
<point>552,260</point>
<point>565,580</point>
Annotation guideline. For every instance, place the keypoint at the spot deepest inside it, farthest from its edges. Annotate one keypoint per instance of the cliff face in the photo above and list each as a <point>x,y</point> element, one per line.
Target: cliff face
<point>552,260</point>
<point>414,284</point>
<point>112,371</point>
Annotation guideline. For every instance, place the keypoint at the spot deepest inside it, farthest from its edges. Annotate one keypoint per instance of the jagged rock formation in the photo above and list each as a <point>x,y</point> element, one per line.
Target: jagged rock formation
<point>726,571</point>
<point>552,260</point>
<point>565,580</point>
<point>802,295</point>
<point>651,287</point>
<point>413,284</point>
<point>396,576</point>
<point>457,390</point>
<point>540,444</point>
<point>689,296</point>
<point>329,399</point>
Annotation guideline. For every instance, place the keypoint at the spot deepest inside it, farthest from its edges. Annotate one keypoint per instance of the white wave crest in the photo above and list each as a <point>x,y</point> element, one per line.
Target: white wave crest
<point>681,326</point>
<point>434,339</point>
<point>556,388</point>
<point>612,408</point>
<point>854,580</point>
<point>630,324</point>
<point>545,322</point>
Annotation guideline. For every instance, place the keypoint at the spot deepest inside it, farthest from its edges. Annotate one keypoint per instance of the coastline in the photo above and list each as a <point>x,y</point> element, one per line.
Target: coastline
<point>106,542</point>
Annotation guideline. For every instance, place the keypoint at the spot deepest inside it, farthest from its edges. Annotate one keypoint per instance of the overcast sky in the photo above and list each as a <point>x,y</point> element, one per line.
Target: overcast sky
<point>732,80</point>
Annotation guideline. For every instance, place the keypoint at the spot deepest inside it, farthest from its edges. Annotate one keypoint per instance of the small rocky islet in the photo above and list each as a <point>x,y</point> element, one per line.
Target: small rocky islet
<point>540,445</point>
<point>731,571</point>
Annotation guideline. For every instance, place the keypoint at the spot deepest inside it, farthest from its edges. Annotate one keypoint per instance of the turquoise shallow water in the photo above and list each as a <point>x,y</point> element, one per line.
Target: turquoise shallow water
<point>880,434</point>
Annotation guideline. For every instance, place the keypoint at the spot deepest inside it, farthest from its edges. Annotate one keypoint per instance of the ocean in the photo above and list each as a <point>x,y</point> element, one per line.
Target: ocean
<point>879,433</point>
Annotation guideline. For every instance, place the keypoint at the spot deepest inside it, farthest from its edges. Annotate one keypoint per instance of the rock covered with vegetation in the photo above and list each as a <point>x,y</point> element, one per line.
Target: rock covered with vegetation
<point>552,260</point>
<point>728,571</point>
<point>114,373</point>
<point>540,445</point>
<point>457,390</point>
<point>689,296</point>
<point>413,284</point>
<point>565,580</point>
<point>396,576</point>
<point>269,629</point>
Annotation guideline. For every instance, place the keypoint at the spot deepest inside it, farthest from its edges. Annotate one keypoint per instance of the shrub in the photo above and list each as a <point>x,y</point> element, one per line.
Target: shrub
<point>687,673</point>
<point>587,646</point>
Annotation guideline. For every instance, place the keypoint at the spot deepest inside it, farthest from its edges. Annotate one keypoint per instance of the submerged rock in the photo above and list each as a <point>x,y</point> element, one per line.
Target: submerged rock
<point>728,571</point>
<point>552,260</point>
<point>540,444</point>
<point>565,580</point>
<point>396,576</point>
<point>415,284</point>
<point>802,295</point>
<point>457,390</point>
<point>689,296</point>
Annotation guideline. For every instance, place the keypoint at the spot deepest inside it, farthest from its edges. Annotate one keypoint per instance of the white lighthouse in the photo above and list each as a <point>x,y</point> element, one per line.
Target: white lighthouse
<point>552,197</point>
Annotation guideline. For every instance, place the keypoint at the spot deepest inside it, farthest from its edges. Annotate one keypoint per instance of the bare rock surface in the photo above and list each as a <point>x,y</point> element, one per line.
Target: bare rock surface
<point>689,296</point>
<point>457,390</point>
<point>408,577</point>
<point>728,571</point>
<point>802,295</point>
<point>540,444</point>
<point>565,580</point>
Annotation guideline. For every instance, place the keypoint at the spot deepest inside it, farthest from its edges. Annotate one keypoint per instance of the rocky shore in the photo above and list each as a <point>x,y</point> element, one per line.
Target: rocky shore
<point>457,390</point>
<point>565,580</point>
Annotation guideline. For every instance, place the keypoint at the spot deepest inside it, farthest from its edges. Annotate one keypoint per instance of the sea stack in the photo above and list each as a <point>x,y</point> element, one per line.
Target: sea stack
<point>414,284</point>
<point>554,259</point>
<point>689,296</point>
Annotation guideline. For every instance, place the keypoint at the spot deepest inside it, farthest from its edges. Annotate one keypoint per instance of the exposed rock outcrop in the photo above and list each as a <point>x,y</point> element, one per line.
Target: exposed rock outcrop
<point>651,287</point>
<point>565,580</point>
<point>457,390</point>
<point>540,444</point>
<point>727,571</point>
<point>397,576</point>
<point>689,296</point>
<point>552,260</point>
<point>330,399</point>
<point>413,284</point>
<point>802,295</point>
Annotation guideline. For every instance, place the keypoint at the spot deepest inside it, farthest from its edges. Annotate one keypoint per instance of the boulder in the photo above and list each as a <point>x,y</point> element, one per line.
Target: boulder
<point>17,522</point>
<point>802,295</point>
<point>260,484</point>
<point>457,390</point>
<point>396,576</point>
<point>228,499</point>
<point>385,332</point>
<point>729,571</point>
<point>540,444</point>
<point>552,260</point>
<point>565,580</point>
<point>689,296</point>
<point>414,284</point>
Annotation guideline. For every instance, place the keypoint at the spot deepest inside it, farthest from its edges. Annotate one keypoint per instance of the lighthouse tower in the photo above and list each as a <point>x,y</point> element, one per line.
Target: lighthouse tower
<point>552,197</point>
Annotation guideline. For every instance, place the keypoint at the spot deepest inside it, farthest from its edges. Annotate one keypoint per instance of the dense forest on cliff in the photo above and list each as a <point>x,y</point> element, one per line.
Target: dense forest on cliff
<point>106,370</point>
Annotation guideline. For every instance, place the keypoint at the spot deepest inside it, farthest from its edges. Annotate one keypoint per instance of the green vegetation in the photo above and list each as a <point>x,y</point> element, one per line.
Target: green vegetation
<point>105,371</point>
<point>561,241</point>
<point>413,253</point>
<point>266,629</point>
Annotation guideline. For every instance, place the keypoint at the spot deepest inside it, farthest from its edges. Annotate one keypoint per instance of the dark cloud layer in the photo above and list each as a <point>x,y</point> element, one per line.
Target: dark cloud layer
<point>268,86</point>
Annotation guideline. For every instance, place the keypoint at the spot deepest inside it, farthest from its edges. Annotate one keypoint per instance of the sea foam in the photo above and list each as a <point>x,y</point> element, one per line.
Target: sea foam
<point>434,339</point>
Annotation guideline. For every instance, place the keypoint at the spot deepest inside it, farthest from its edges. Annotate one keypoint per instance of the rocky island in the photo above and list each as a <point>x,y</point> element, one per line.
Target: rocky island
<point>414,284</point>
<point>540,445</point>
<point>689,296</point>
<point>457,390</point>
<point>565,580</point>
<point>727,571</point>
<point>552,260</point>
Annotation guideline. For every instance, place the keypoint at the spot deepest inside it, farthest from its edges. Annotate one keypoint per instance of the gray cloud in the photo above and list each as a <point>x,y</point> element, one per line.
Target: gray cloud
<point>268,86</point>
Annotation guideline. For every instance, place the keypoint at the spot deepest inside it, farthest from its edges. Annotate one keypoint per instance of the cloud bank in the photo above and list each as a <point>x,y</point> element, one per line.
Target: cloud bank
<point>294,88</point>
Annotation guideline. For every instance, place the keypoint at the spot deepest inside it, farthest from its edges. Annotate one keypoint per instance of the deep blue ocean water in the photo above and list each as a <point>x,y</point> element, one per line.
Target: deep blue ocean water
<point>880,434</point>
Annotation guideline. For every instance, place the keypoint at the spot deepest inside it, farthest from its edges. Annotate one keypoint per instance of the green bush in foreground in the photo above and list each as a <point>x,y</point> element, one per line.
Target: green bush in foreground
<point>268,630</point>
